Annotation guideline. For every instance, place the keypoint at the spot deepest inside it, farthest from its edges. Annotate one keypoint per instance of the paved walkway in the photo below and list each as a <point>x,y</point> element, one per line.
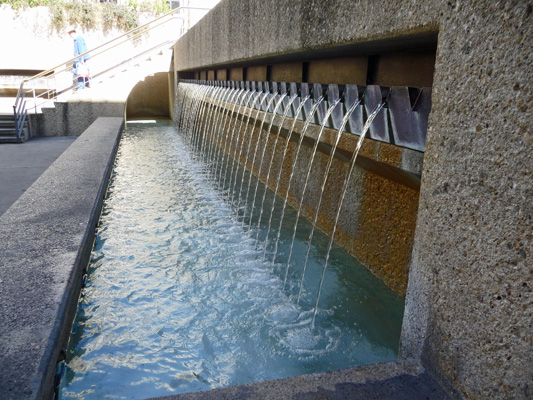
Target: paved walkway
<point>46,238</point>
<point>22,164</point>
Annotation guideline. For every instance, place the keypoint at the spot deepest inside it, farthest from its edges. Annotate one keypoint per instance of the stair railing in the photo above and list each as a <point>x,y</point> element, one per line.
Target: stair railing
<point>19,108</point>
<point>20,113</point>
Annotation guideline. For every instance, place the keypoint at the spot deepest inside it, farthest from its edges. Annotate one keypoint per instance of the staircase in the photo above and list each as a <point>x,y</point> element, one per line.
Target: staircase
<point>58,110</point>
<point>8,133</point>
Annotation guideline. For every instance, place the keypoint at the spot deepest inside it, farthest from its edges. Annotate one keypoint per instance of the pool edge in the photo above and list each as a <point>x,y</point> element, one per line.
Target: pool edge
<point>400,379</point>
<point>46,238</point>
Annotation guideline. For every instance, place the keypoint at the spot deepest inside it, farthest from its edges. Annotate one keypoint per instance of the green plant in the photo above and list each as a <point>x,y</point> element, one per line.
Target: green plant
<point>133,4</point>
<point>161,7</point>
<point>90,15</point>
<point>22,4</point>
<point>58,17</point>
<point>123,17</point>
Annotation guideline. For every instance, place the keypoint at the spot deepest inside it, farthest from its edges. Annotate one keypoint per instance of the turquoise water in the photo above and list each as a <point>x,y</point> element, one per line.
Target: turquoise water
<point>179,299</point>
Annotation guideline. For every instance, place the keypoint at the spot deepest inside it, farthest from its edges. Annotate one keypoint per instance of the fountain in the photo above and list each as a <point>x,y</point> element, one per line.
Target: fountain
<point>334,111</point>
<point>225,136</point>
<point>279,94</point>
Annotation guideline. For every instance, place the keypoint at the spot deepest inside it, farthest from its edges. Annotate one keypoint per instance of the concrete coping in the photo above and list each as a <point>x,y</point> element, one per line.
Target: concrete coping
<point>46,238</point>
<point>398,380</point>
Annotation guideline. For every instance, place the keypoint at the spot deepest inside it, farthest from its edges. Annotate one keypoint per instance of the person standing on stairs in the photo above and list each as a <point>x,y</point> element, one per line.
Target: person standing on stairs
<point>80,67</point>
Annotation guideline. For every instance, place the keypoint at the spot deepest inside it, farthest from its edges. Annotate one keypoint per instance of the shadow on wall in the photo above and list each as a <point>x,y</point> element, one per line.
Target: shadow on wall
<point>149,98</point>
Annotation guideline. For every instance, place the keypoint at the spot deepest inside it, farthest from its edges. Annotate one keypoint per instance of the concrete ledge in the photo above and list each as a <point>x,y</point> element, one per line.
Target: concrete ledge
<point>398,380</point>
<point>45,240</point>
<point>73,117</point>
<point>21,165</point>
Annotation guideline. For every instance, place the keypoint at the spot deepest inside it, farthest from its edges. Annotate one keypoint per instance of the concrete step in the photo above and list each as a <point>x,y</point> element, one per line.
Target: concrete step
<point>7,123</point>
<point>8,139</point>
<point>8,133</point>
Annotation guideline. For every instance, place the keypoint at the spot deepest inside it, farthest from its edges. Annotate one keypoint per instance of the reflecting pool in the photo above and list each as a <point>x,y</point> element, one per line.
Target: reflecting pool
<point>180,298</point>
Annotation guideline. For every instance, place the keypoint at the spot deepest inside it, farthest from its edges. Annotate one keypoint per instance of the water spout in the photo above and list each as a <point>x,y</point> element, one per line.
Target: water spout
<point>322,188</point>
<point>287,143</point>
<point>299,146</point>
<point>278,104</point>
<point>254,157</point>
<point>246,104</point>
<point>265,96</point>
<point>285,112</point>
<point>309,166</point>
<point>366,127</point>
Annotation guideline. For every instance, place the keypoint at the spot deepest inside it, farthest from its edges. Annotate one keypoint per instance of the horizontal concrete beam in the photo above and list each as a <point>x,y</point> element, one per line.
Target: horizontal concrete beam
<point>401,380</point>
<point>246,32</point>
<point>46,238</point>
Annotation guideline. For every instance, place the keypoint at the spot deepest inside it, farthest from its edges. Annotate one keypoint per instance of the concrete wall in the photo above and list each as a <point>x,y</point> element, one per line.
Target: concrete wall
<point>468,306</point>
<point>72,118</point>
<point>149,98</point>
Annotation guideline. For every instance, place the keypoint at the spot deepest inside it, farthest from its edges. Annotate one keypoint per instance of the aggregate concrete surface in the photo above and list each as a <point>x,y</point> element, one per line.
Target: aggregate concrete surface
<point>398,380</point>
<point>21,165</point>
<point>468,307</point>
<point>45,240</point>
<point>469,313</point>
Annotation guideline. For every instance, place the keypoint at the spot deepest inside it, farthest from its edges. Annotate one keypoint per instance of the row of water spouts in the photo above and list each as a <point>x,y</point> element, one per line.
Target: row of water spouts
<point>216,121</point>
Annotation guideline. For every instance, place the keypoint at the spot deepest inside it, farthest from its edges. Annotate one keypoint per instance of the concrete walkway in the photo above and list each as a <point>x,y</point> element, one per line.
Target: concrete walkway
<point>22,164</point>
<point>46,238</point>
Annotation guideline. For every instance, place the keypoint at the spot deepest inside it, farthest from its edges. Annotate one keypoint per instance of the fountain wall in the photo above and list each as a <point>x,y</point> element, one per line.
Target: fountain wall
<point>468,306</point>
<point>379,234</point>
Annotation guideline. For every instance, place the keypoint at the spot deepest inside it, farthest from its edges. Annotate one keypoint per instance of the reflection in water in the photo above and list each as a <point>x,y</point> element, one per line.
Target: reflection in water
<point>179,298</point>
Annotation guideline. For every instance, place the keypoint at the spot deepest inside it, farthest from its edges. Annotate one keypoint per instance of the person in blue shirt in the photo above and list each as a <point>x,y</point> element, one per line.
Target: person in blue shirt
<point>80,67</point>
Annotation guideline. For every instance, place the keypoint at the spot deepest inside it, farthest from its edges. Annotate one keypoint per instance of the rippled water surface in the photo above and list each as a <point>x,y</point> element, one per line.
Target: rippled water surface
<point>179,299</point>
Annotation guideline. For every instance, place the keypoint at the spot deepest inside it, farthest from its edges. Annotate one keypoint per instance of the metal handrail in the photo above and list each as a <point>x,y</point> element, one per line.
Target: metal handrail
<point>20,116</point>
<point>52,72</point>
<point>153,49</point>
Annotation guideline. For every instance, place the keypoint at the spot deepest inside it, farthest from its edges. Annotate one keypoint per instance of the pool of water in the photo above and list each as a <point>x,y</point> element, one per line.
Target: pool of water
<point>179,297</point>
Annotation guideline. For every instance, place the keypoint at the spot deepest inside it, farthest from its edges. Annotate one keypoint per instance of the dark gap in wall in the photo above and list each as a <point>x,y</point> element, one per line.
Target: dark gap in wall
<point>371,73</point>
<point>413,69</point>
<point>305,72</point>
<point>389,123</point>
<point>186,75</point>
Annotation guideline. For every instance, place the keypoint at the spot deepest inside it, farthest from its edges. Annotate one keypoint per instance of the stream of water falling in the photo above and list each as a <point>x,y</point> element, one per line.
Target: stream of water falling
<point>179,298</point>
